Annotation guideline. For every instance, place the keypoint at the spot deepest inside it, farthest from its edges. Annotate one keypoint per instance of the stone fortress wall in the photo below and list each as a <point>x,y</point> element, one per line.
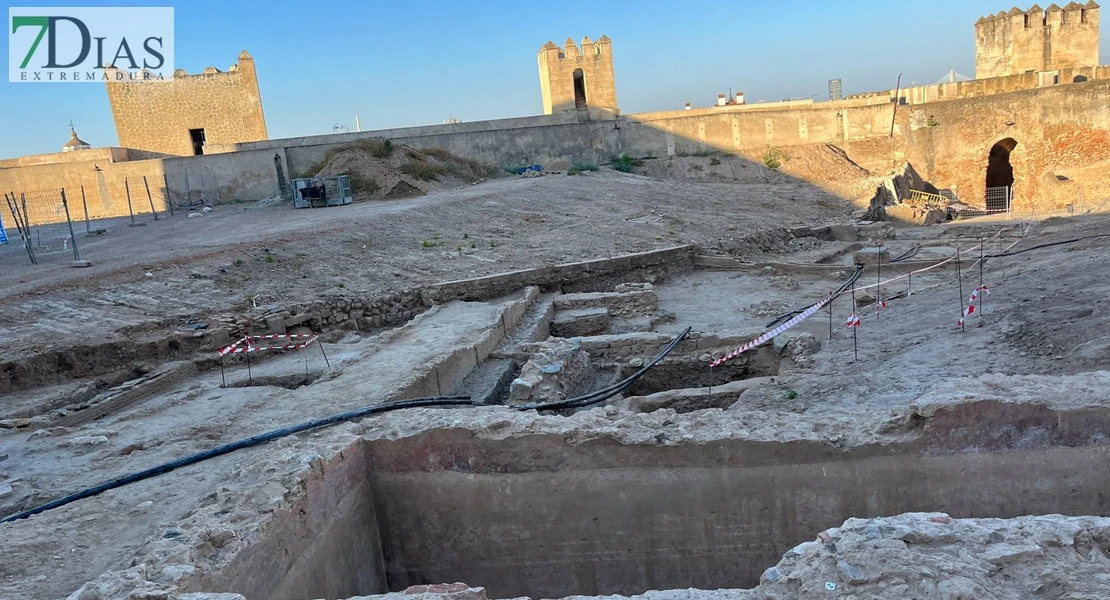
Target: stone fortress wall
<point>1056,122</point>
<point>1026,41</point>
<point>158,116</point>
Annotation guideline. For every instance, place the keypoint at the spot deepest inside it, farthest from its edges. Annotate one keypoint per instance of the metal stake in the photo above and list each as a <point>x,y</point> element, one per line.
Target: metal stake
<point>127,187</point>
<point>879,284</point>
<point>983,297</point>
<point>77,262</point>
<point>250,382</point>
<point>830,318</point>
<point>855,343</point>
<point>150,199</point>
<point>321,344</point>
<point>169,201</point>
<point>85,207</point>
<point>223,378</point>
<point>960,280</point>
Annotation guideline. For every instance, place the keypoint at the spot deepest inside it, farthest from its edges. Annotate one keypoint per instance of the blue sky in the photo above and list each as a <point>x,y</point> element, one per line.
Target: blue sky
<point>421,62</point>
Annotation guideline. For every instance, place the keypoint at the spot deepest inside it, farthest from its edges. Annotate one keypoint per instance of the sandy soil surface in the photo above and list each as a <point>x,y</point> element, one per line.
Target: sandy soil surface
<point>147,279</point>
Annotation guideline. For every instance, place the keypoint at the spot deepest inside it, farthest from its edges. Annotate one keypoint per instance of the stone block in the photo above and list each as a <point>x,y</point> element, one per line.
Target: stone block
<point>871,256</point>
<point>580,322</point>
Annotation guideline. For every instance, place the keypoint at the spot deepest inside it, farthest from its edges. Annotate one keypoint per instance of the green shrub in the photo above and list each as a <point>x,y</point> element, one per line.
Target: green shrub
<point>774,158</point>
<point>714,161</point>
<point>624,163</point>
<point>581,167</point>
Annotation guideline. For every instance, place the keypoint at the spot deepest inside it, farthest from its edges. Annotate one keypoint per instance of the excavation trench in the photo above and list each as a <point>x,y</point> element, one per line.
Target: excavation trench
<point>538,516</point>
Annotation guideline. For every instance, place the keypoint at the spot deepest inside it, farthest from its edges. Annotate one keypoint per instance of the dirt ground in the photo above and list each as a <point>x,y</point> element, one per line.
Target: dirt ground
<point>1040,331</point>
<point>147,279</point>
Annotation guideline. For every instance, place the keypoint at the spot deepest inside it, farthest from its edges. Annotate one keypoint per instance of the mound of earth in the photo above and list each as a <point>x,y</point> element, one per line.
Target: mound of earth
<point>822,164</point>
<point>381,170</point>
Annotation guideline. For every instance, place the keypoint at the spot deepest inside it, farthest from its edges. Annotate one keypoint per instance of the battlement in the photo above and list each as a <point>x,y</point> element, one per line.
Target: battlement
<point>1072,14</point>
<point>571,51</point>
<point>1036,39</point>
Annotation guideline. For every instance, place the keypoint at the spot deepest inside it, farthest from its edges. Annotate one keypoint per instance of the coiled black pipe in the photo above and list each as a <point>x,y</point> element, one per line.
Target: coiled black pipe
<point>239,445</point>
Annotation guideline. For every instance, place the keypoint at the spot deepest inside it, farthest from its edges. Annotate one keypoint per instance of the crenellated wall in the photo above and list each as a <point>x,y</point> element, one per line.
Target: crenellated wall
<point>1024,41</point>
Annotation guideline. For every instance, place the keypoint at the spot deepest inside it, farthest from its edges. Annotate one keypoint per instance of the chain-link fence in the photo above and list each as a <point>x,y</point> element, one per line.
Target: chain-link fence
<point>37,227</point>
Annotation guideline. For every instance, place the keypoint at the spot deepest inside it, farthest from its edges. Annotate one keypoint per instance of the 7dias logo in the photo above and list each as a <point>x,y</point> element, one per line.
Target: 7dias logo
<point>90,45</point>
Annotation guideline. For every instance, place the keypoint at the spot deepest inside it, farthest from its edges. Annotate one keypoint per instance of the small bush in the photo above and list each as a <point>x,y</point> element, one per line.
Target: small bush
<point>492,244</point>
<point>624,163</point>
<point>773,158</point>
<point>581,167</point>
<point>269,257</point>
<point>438,153</point>
<point>931,122</point>
<point>424,170</point>
<point>714,161</point>
<point>791,394</point>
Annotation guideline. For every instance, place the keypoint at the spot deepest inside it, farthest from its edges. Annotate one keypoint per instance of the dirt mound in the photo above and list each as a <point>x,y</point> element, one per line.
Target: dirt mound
<point>380,169</point>
<point>822,164</point>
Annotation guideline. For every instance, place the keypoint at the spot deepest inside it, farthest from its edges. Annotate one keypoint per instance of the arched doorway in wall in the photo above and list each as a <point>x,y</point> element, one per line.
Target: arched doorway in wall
<point>1000,176</point>
<point>579,89</point>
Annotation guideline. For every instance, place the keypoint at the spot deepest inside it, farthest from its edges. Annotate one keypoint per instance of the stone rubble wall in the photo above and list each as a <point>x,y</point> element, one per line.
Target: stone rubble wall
<point>619,304</point>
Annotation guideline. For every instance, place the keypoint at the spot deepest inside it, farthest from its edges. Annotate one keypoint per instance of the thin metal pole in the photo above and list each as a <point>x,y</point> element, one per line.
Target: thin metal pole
<point>250,381</point>
<point>85,207</point>
<point>909,285</point>
<point>72,236</point>
<point>960,280</point>
<point>830,318</point>
<point>897,92</point>
<point>166,183</point>
<point>127,187</point>
<point>223,378</point>
<point>188,192</point>
<point>982,297</point>
<point>855,328</point>
<point>321,344</point>
<point>149,198</point>
<point>879,284</point>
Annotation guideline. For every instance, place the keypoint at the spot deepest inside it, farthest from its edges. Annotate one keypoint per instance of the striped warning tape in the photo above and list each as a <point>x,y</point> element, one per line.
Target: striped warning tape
<point>245,345</point>
<point>774,332</point>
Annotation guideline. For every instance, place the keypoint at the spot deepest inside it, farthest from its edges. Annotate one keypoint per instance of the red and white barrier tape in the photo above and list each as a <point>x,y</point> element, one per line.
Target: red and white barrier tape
<point>971,304</point>
<point>774,332</point>
<point>853,321</point>
<point>245,346</point>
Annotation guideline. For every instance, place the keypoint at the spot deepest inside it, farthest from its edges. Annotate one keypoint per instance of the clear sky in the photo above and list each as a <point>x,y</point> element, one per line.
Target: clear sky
<point>420,62</point>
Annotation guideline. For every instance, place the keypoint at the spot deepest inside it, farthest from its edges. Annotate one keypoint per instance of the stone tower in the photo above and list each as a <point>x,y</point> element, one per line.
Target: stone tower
<point>182,116</point>
<point>1015,42</point>
<point>578,79</point>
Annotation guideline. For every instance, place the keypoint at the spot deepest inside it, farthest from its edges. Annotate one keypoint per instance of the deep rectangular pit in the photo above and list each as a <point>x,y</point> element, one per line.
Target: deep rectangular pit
<point>537,516</point>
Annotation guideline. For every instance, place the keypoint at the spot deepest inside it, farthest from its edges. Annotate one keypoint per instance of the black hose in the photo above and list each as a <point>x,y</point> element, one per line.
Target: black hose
<point>906,254</point>
<point>244,443</point>
<point>1049,245</point>
<point>612,390</point>
<point>586,400</point>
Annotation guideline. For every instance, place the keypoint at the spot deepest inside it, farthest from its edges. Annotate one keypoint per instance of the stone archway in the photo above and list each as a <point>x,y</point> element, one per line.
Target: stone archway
<point>579,89</point>
<point>1000,176</point>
